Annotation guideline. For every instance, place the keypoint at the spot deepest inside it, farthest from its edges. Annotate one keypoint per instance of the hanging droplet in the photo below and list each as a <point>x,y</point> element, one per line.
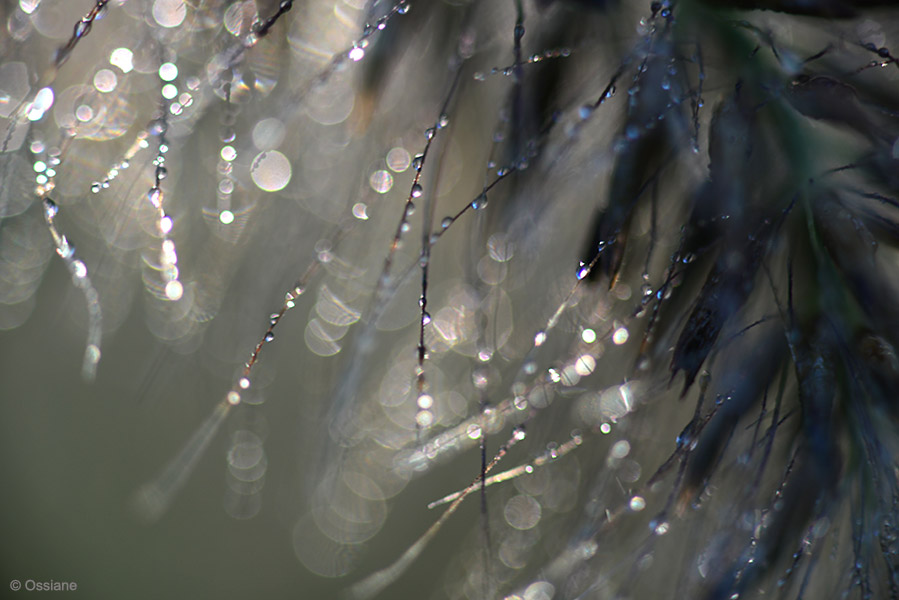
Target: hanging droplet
<point>430,132</point>
<point>480,202</point>
<point>79,270</point>
<point>417,161</point>
<point>96,187</point>
<point>155,196</point>
<point>269,336</point>
<point>82,28</point>
<point>161,172</point>
<point>403,7</point>
<point>50,208</point>
<point>446,222</point>
<point>416,192</point>
<point>443,121</point>
<point>158,127</point>
<point>582,271</point>
<point>425,318</point>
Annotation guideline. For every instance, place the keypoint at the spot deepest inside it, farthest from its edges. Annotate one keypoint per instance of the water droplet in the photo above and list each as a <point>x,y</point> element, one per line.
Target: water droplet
<point>430,132</point>
<point>480,202</point>
<point>417,161</point>
<point>79,269</point>
<point>425,318</point>
<point>403,8</point>
<point>158,127</point>
<point>50,208</point>
<point>96,187</point>
<point>161,172</point>
<point>443,121</point>
<point>446,222</point>
<point>66,249</point>
<point>356,54</point>
<point>582,271</point>
<point>585,111</point>
<point>539,338</point>
<point>269,336</point>
<point>416,192</point>
<point>155,196</point>
<point>82,28</point>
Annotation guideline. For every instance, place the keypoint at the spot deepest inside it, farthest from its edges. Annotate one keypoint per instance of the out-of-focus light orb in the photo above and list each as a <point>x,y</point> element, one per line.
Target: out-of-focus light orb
<point>522,512</point>
<point>620,336</point>
<point>169,91</point>
<point>29,6</point>
<point>381,181</point>
<point>226,217</point>
<point>228,153</point>
<point>105,80</point>
<point>84,113</point>
<point>357,54</point>
<point>588,335</point>
<point>174,290</point>
<point>168,71</point>
<point>585,365</point>
<point>360,211</point>
<point>398,159</point>
<point>169,13</point>
<point>237,17</point>
<point>270,171</point>
<point>268,133</point>
<point>123,58</point>
<point>42,103</point>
